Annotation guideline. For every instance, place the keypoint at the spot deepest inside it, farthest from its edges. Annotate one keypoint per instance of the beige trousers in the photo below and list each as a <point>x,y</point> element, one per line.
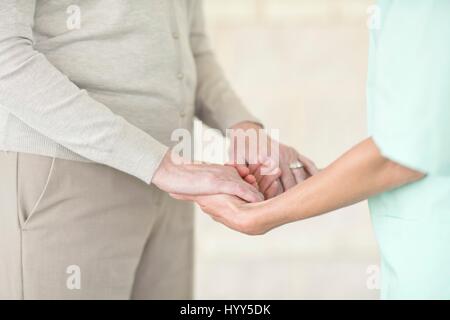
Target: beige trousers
<point>74,230</point>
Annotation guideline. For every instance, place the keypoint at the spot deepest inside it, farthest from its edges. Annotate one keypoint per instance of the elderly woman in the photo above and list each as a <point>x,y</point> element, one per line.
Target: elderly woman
<point>404,167</point>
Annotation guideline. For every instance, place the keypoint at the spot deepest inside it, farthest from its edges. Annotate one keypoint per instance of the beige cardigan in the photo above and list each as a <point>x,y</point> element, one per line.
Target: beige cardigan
<point>107,81</point>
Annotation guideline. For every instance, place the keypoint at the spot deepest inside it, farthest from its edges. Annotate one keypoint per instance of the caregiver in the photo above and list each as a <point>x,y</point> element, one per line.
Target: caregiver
<point>404,166</point>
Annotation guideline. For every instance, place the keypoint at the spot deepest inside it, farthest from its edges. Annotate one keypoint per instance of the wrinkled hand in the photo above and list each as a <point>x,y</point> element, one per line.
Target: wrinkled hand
<point>274,185</point>
<point>272,170</point>
<point>173,176</point>
<point>234,213</point>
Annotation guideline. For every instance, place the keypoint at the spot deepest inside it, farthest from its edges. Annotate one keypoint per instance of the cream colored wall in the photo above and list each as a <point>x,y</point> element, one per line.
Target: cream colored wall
<point>301,67</point>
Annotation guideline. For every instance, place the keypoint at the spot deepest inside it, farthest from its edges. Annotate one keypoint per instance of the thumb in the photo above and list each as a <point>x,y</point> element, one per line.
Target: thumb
<point>242,169</point>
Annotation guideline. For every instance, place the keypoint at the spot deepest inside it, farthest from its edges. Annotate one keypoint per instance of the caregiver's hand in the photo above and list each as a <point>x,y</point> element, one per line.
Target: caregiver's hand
<point>174,176</point>
<point>236,214</point>
<point>359,174</point>
<point>272,166</point>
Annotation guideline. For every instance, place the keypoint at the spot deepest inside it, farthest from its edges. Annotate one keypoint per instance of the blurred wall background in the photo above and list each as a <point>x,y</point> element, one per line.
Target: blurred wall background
<point>300,66</point>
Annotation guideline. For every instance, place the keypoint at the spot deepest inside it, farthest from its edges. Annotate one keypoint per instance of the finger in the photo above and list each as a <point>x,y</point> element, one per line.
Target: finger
<point>310,166</point>
<point>255,171</point>
<point>265,169</point>
<point>241,169</point>
<point>254,168</point>
<point>273,190</point>
<point>250,179</point>
<point>269,166</point>
<point>257,175</point>
<point>268,180</point>
<point>300,175</point>
<point>242,190</point>
<point>287,178</point>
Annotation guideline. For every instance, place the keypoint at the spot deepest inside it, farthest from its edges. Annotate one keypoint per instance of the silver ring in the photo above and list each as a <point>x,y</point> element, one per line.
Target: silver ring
<point>296,165</point>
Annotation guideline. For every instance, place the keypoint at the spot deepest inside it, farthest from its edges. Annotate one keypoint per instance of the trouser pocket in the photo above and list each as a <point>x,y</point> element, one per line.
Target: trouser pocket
<point>34,176</point>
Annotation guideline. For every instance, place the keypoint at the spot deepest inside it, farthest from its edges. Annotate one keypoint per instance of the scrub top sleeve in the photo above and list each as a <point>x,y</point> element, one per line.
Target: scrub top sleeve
<point>409,86</point>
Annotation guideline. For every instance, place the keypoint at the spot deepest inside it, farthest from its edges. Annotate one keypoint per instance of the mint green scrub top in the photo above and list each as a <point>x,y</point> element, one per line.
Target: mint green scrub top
<point>409,119</point>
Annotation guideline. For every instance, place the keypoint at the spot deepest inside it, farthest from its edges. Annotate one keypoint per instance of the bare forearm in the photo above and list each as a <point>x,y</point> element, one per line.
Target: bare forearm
<point>360,173</point>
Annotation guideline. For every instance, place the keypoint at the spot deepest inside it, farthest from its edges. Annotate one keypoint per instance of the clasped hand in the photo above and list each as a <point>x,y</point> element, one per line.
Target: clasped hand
<point>240,215</point>
<point>232,194</point>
